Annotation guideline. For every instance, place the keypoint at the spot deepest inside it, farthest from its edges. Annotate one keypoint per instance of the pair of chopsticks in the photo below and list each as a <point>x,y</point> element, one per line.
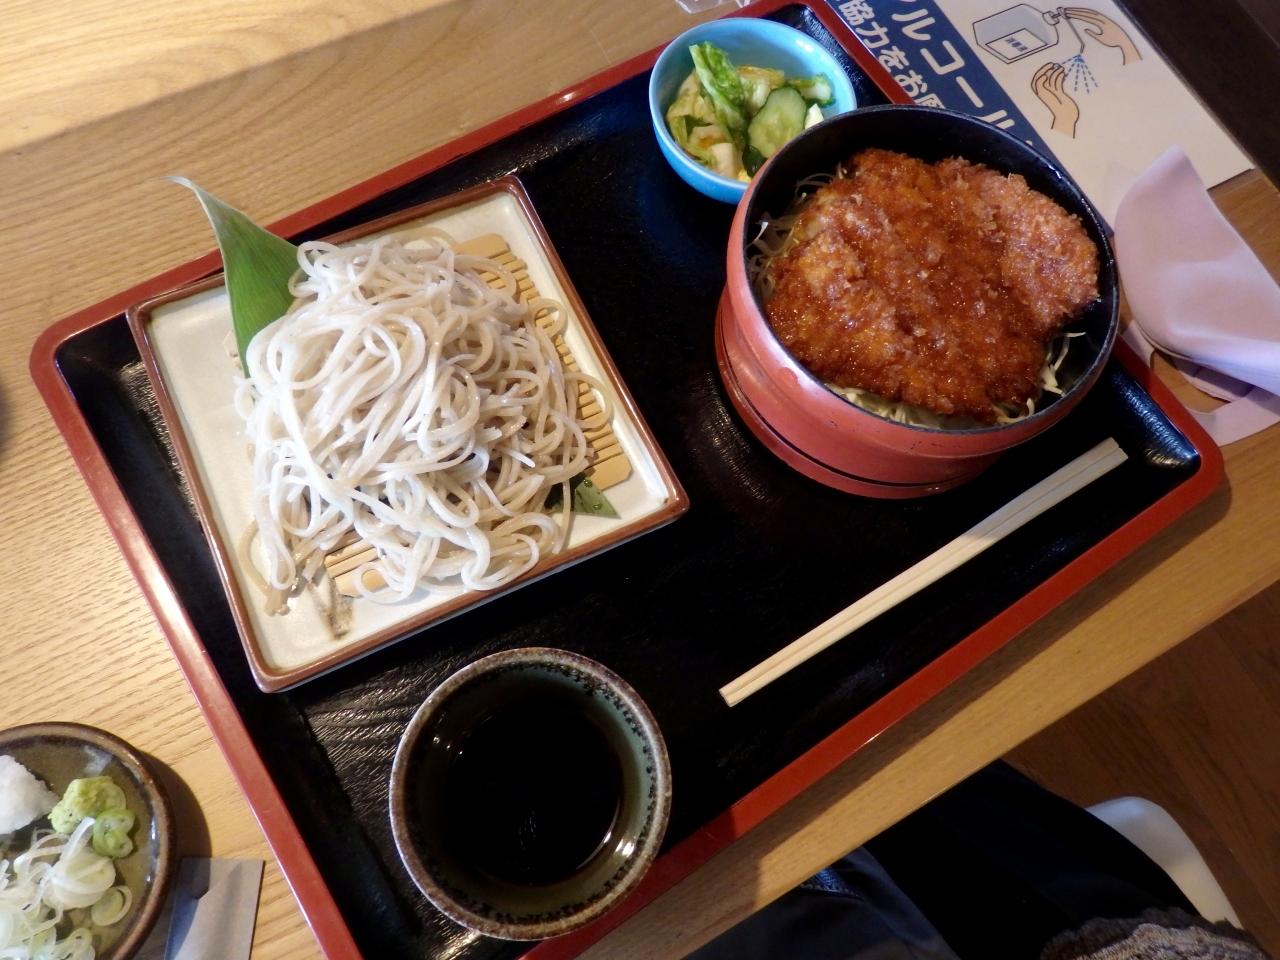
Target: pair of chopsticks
<point>1053,489</point>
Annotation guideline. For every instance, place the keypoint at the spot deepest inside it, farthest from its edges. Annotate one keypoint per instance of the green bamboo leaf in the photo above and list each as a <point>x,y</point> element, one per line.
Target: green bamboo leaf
<point>590,499</point>
<point>257,265</point>
<point>584,497</point>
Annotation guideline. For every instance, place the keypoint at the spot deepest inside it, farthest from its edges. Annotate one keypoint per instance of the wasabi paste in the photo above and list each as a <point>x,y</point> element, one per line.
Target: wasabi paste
<point>86,797</point>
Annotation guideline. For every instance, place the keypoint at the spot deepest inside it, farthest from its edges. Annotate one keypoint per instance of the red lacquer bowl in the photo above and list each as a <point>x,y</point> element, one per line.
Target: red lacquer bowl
<point>814,429</point>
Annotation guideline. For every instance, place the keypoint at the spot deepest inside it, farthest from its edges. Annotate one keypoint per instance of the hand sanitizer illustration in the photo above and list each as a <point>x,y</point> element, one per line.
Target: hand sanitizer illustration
<point>1018,31</point>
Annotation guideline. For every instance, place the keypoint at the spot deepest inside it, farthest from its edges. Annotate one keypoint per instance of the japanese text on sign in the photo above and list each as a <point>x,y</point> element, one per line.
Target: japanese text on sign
<point>926,56</point>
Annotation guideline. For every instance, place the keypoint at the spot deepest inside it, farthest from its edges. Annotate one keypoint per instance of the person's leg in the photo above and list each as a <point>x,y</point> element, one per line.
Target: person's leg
<point>852,911</point>
<point>992,870</point>
<point>1000,866</point>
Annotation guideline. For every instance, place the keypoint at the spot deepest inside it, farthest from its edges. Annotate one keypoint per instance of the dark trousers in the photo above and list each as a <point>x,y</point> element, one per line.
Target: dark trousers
<point>992,869</point>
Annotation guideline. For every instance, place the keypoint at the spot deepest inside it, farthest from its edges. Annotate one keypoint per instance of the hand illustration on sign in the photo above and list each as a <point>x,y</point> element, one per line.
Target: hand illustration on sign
<point>1105,30</point>
<point>1048,84</point>
<point>1022,31</point>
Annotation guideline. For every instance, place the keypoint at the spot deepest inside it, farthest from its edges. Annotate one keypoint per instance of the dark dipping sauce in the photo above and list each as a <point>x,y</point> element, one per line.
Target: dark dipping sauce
<point>534,790</point>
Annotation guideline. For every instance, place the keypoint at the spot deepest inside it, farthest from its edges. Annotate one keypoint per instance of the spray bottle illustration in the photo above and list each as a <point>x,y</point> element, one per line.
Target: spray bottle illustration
<point>1020,31</point>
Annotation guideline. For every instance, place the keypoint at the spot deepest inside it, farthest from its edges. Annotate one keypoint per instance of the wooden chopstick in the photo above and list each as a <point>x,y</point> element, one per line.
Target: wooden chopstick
<point>1053,489</point>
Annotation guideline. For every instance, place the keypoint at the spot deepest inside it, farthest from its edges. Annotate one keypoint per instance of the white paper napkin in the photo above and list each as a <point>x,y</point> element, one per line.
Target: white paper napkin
<point>1197,292</point>
<point>210,912</point>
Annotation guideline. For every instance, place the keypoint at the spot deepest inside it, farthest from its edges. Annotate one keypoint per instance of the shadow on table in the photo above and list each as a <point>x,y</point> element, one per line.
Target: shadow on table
<point>191,832</point>
<point>5,418</point>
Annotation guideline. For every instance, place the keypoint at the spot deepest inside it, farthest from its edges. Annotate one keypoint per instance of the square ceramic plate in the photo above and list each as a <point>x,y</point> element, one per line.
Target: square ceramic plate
<point>181,338</point>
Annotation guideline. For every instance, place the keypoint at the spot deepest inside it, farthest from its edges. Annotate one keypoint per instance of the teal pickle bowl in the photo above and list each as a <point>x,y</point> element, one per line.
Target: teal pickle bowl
<point>748,41</point>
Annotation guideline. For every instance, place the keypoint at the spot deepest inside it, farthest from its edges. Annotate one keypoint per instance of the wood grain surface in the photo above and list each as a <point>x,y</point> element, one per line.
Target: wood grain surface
<point>1200,727</point>
<point>279,103</point>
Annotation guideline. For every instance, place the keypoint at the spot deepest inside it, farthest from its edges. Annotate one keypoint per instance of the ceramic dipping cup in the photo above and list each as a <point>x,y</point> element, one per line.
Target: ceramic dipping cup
<point>530,793</point>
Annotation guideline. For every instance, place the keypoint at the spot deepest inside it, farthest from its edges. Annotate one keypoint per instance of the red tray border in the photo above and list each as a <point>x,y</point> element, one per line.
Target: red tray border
<point>296,863</point>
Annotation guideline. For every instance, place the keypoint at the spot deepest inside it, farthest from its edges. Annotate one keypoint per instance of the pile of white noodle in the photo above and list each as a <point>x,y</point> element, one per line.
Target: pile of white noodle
<point>406,401</point>
<point>55,874</point>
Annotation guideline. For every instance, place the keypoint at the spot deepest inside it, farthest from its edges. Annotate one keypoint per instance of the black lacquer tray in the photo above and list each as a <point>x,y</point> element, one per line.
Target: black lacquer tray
<point>763,555</point>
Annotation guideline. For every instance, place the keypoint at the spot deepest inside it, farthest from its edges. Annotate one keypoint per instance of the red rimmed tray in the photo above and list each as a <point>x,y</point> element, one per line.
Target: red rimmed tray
<point>686,608</point>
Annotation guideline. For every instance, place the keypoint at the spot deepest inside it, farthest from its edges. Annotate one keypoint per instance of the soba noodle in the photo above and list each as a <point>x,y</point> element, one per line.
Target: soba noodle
<point>405,401</point>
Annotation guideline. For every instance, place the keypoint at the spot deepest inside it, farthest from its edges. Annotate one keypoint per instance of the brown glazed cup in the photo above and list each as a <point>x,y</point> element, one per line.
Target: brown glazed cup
<point>449,854</point>
<point>58,753</point>
<point>809,425</point>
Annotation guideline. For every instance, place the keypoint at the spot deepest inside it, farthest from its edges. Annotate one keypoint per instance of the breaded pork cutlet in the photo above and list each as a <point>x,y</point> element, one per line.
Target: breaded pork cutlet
<point>940,285</point>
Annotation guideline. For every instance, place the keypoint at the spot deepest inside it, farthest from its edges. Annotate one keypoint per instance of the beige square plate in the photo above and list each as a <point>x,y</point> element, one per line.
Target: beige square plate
<point>181,336</point>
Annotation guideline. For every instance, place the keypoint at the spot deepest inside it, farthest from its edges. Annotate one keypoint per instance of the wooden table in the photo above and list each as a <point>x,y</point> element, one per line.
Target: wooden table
<point>278,103</point>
